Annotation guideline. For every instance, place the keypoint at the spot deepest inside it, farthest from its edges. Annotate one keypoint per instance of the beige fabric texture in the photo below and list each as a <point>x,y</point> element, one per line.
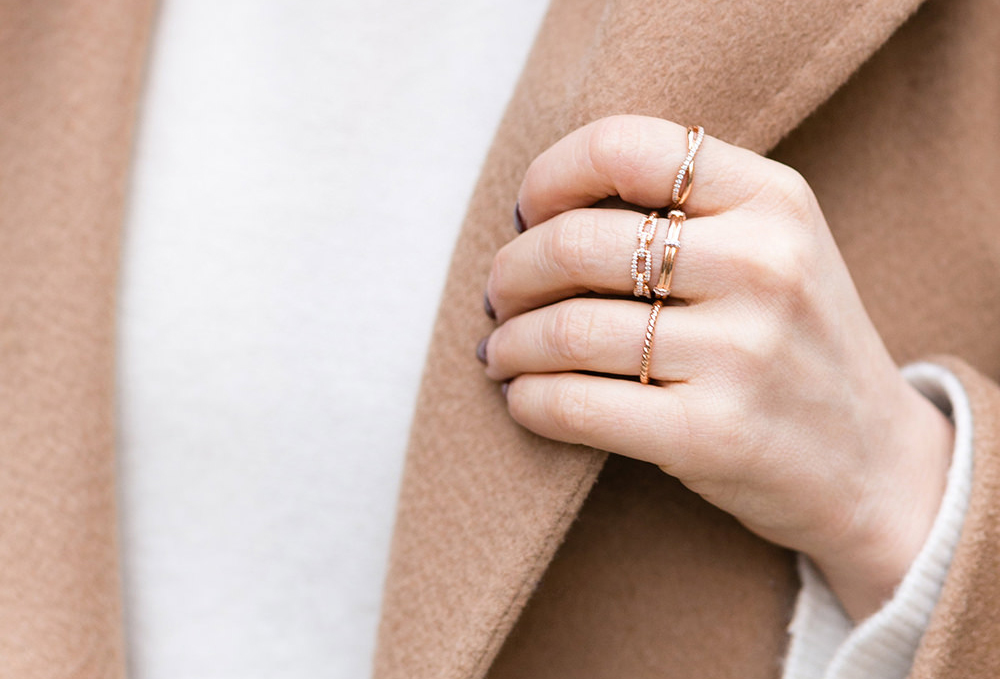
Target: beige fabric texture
<point>507,559</point>
<point>69,81</point>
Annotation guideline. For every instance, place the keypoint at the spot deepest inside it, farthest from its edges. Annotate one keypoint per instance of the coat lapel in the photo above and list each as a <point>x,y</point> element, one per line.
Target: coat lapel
<point>484,504</point>
<point>69,82</point>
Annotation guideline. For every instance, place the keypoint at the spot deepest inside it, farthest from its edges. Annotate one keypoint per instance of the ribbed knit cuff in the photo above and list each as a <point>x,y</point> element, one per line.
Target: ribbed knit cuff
<point>824,643</point>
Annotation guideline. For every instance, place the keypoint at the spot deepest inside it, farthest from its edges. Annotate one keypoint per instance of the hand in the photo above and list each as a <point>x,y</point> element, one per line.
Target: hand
<point>772,394</point>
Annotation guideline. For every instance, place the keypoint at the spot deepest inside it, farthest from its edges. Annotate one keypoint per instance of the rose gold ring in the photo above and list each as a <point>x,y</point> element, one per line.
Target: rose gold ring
<point>685,174</point>
<point>647,344</point>
<point>644,237</point>
<point>671,245</point>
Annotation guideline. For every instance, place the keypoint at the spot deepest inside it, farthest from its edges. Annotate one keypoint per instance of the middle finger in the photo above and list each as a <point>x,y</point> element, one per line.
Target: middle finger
<point>590,250</point>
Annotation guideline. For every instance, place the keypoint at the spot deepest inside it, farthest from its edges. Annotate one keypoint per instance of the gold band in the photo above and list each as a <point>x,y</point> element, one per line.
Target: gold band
<point>647,344</point>
<point>685,175</point>
<point>644,237</point>
<point>671,244</point>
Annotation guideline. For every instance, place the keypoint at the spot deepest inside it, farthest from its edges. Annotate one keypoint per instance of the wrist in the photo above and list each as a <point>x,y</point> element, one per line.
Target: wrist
<point>896,513</point>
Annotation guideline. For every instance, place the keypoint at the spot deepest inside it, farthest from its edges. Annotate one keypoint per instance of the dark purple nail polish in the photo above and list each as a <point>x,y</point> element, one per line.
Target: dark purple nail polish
<point>481,350</point>
<point>518,219</point>
<point>488,308</point>
<point>503,388</point>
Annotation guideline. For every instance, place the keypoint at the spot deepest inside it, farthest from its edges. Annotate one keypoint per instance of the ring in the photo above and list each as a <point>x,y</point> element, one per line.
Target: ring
<point>647,229</point>
<point>685,175</point>
<point>647,344</point>
<point>671,244</point>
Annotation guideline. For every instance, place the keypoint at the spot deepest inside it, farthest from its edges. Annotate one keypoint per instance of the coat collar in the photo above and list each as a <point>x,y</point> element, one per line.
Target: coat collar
<point>484,505</point>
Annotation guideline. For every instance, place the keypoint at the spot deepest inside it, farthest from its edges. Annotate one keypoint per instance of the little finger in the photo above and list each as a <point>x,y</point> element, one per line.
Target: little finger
<point>642,422</point>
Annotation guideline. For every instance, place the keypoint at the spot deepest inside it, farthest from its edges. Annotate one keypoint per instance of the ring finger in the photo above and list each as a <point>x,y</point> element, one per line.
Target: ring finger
<point>599,335</point>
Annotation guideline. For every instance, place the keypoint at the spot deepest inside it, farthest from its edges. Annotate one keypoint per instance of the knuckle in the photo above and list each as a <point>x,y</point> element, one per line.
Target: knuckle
<point>753,348</point>
<point>788,262</point>
<point>788,191</point>
<point>568,407</point>
<point>728,422</point>
<point>574,245</point>
<point>615,148</point>
<point>715,355</point>
<point>685,436</point>
<point>714,438</point>
<point>780,269</point>
<point>571,332</point>
<point>763,350</point>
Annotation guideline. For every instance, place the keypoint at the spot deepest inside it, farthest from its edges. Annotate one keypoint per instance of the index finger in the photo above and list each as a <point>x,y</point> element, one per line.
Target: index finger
<point>637,158</point>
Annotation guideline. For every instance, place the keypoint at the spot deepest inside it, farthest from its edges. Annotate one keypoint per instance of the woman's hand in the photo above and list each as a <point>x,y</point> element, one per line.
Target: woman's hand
<point>772,395</point>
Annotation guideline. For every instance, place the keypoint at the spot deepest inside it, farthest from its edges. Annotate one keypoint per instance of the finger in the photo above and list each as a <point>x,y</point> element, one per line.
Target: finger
<point>590,250</point>
<point>637,158</point>
<point>641,421</point>
<point>603,336</point>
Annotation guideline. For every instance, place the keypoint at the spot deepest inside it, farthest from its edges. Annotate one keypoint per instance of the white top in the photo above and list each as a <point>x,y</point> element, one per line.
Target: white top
<point>295,162</point>
<point>295,159</point>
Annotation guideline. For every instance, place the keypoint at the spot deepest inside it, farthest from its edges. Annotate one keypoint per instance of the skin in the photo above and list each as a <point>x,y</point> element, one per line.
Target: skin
<point>772,395</point>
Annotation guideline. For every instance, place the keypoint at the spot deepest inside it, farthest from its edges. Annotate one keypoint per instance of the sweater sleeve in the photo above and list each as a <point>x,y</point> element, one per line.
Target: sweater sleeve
<point>824,642</point>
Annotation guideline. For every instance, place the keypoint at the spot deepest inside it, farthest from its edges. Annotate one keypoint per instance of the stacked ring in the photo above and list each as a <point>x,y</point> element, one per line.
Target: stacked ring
<point>647,229</point>
<point>647,344</point>
<point>671,245</point>
<point>685,174</point>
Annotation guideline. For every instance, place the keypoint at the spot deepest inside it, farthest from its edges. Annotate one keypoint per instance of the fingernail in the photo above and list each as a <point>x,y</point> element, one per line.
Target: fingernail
<point>518,219</point>
<point>481,350</point>
<point>488,308</point>
<point>503,388</point>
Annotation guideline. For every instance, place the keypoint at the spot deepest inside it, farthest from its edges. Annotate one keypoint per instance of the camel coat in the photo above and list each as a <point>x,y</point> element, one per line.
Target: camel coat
<point>514,556</point>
